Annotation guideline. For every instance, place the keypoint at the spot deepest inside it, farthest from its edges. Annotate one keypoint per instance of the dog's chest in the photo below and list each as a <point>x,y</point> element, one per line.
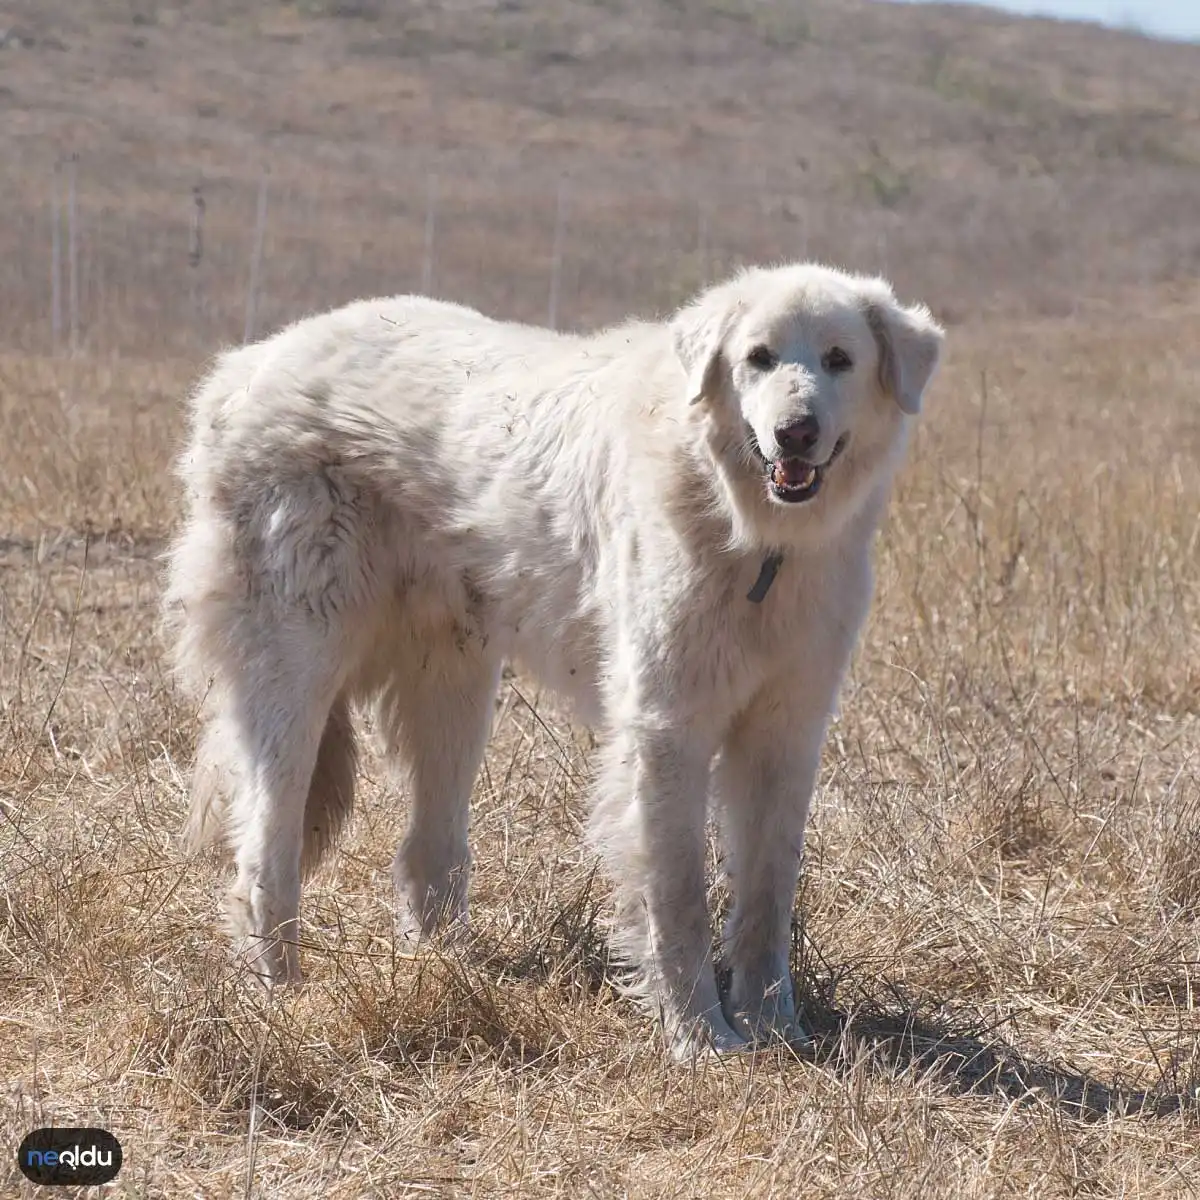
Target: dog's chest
<point>754,625</point>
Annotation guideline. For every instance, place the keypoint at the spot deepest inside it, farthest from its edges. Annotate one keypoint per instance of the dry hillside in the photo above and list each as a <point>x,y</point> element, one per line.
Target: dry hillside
<point>990,163</point>
<point>998,939</point>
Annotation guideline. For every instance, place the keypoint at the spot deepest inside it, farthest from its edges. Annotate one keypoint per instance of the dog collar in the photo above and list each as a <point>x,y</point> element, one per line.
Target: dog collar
<point>762,585</point>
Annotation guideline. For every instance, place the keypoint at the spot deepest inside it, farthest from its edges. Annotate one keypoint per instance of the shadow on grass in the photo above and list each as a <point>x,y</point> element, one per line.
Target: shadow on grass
<point>895,1034</point>
<point>855,1020</point>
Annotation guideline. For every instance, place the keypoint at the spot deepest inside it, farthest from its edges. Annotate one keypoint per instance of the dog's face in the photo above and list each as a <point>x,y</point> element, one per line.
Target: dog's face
<point>806,377</point>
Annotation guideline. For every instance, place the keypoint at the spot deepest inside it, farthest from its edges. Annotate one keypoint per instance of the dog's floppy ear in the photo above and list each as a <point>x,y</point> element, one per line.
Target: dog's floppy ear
<point>698,331</point>
<point>910,344</point>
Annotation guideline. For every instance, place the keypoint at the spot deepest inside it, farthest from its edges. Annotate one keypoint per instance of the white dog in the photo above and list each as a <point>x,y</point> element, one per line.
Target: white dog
<point>670,523</point>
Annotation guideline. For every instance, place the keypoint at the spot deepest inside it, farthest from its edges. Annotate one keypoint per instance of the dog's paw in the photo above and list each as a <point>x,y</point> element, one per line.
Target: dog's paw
<point>792,1037</point>
<point>272,962</point>
<point>765,1015</point>
<point>704,1036</point>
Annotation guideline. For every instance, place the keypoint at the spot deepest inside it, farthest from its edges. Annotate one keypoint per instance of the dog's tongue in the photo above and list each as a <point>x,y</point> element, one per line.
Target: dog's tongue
<point>793,473</point>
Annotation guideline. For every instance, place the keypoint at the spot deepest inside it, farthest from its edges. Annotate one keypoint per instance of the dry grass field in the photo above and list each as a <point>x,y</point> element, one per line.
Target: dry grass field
<point>998,937</point>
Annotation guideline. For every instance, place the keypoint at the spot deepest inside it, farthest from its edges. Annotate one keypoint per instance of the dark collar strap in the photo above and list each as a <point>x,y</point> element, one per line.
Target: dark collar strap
<point>762,585</point>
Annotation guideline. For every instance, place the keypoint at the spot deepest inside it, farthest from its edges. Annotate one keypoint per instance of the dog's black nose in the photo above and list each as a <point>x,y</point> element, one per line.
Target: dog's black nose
<point>800,436</point>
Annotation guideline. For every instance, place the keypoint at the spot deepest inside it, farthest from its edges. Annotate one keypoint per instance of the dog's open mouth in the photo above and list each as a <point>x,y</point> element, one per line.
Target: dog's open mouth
<point>795,480</point>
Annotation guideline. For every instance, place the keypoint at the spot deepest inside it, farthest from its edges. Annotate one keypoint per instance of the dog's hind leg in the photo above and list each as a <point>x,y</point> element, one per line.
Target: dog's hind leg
<point>272,611</point>
<point>435,714</point>
<point>290,788</point>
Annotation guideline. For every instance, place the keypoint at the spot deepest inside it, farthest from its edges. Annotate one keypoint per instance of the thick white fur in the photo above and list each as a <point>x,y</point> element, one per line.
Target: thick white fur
<point>387,502</point>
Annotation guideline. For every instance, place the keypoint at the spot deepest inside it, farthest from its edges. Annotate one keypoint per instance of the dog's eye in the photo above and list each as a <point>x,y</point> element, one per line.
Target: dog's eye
<point>836,360</point>
<point>762,357</point>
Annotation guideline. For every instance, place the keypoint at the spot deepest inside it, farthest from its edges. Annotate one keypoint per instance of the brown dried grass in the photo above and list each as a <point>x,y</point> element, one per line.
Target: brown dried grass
<point>997,937</point>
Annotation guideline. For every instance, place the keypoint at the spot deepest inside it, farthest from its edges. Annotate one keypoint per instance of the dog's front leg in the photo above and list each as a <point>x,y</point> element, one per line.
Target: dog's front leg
<point>763,785</point>
<point>649,825</point>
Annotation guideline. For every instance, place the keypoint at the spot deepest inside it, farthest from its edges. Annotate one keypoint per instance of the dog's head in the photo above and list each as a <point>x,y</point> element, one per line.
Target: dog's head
<point>806,378</point>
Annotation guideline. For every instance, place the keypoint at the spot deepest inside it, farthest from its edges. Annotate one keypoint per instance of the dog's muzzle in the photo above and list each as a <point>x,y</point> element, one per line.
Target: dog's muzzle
<point>793,479</point>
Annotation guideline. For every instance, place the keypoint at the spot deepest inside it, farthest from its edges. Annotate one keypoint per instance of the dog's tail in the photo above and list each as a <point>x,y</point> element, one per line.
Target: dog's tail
<point>327,808</point>
<point>206,812</point>
<point>331,792</point>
